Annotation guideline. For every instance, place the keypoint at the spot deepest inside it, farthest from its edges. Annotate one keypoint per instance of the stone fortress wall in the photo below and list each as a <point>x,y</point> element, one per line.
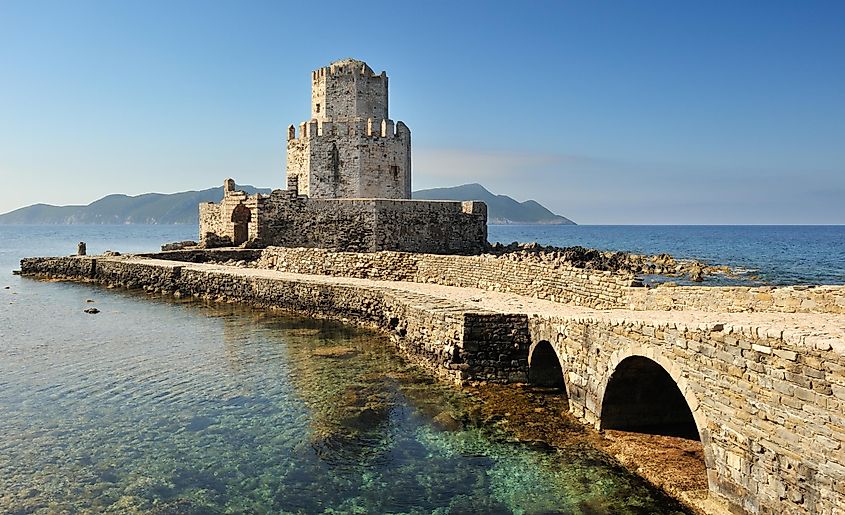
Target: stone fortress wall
<point>350,147</point>
<point>358,158</point>
<point>348,183</point>
<point>286,219</point>
<point>595,289</point>
<point>559,283</point>
<point>738,299</point>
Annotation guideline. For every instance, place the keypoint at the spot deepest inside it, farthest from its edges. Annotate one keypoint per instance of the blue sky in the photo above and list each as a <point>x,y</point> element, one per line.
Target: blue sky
<point>606,112</point>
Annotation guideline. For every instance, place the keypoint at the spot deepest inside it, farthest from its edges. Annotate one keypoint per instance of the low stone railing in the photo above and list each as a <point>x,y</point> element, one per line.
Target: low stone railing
<point>558,282</point>
<point>551,281</point>
<point>738,299</point>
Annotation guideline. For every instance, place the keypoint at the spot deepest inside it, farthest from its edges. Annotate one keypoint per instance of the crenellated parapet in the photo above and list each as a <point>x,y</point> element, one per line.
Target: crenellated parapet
<point>348,182</point>
<point>350,148</point>
<point>369,128</point>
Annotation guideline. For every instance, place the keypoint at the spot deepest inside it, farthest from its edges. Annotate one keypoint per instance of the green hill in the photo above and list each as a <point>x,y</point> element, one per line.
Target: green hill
<point>181,208</point>
<point>149,208</point>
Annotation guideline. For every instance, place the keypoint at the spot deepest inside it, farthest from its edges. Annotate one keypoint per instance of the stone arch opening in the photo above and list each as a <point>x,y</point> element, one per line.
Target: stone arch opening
<point>642,397</point>
<point>544,368</point>
<point>241,217</point>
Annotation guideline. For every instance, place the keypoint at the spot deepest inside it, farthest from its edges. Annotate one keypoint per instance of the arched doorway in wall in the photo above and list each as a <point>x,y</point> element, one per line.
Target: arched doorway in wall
<point>544,368</point>
<point>241,217</point>
<point>642,397</point>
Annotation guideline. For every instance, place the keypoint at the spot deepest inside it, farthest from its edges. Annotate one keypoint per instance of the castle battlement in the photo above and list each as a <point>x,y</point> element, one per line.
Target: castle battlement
<point>345,67</point>
<point>348,182</point>
<point>370,128</point>
<point>349,147</point>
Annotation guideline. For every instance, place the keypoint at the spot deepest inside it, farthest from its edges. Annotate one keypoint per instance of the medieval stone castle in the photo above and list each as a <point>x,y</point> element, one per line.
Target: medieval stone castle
<point>348,183</point>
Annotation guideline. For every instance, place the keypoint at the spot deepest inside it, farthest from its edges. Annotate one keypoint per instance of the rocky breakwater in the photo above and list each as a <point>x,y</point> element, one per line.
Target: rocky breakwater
<point>455,341</point>
<point>623,263</point>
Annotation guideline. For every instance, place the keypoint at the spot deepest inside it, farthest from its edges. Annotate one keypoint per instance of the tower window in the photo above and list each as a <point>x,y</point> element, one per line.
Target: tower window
<point>318,108</point>
<point>395,171</point>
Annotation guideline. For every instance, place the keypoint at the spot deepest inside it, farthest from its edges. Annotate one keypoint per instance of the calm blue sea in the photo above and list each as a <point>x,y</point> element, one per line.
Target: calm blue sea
<point>162,406</point>
<point>775,254</point>
<point>784,254</point>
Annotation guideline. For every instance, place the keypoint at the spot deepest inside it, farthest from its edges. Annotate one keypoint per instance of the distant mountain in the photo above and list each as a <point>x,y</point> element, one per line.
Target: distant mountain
<point>181,208</point>
<point>149,208</point>
<point>501,209</point>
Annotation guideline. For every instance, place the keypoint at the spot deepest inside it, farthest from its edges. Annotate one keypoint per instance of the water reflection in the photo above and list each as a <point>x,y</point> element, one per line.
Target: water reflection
<point>180,407</point>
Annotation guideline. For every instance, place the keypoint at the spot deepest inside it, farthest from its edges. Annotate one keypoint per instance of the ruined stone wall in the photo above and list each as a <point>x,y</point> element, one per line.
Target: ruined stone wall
<point>786,299</point>
<point>210,220</point>
<point>218,223</point>
<point>438,227</point>
<point>319,223</point>
<point>360,225</point>
<point>380,266</point>
<point>770,411</point>
<point>299,162</point>
<point>560,284</point>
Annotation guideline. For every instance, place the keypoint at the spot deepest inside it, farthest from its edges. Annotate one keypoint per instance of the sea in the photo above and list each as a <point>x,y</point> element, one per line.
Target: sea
<point>158,405</point>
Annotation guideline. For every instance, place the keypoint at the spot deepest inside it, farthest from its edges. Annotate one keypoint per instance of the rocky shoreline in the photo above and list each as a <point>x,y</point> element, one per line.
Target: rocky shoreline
<point>617,262</point>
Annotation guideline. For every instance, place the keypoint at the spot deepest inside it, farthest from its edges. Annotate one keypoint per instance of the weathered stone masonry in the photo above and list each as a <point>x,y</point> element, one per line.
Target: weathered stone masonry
<point>350,148</point>
<point>348,183</point>
<point>453,342</point>
<point>364,225</point>
<point>559,283</point>
<point>769,412</point>
<point>766,391</point>
<point>572,285</point>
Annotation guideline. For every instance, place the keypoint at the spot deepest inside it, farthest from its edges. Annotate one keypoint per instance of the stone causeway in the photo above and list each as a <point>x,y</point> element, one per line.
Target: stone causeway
<point>763,387</point>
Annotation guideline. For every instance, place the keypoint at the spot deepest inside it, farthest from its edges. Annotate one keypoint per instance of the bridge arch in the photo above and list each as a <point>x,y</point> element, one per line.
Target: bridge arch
<point>545,367</point>
<point>644,382</point>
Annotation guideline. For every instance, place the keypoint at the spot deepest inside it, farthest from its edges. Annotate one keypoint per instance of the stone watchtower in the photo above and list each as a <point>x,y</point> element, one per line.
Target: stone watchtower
<point>350,148</point>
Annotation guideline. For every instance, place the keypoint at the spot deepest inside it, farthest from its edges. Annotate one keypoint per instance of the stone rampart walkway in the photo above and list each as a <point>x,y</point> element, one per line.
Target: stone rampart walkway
<point>814,330</point>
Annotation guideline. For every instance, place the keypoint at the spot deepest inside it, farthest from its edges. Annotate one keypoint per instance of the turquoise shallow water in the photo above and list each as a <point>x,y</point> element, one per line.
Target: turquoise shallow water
<point>161,406</point>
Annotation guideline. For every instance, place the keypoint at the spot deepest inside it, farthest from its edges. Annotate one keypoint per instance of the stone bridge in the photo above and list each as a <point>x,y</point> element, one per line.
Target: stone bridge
<point>762,389</point>
<point>764,396</point>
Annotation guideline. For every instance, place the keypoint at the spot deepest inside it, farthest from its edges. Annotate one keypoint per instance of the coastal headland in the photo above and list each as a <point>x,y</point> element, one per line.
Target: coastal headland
<point>756,375</point>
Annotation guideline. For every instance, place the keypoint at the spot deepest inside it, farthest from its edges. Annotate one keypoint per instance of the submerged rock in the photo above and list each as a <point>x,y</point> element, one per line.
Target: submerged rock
<point>92,311</point>
<point>335,351</point>
<point>446,422</point>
